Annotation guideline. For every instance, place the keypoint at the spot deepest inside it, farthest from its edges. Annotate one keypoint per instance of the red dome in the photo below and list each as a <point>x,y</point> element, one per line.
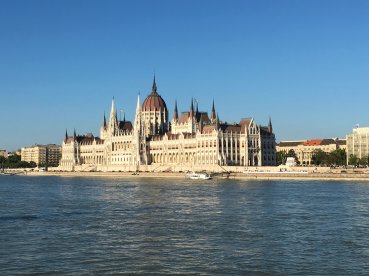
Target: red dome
<point>154,101</point>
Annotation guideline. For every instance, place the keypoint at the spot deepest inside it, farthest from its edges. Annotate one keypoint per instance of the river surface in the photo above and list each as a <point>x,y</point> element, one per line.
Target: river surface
<point>66,225</point>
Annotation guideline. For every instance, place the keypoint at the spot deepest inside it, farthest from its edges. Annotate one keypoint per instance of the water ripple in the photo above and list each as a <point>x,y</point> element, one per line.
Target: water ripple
<point>52,225</point>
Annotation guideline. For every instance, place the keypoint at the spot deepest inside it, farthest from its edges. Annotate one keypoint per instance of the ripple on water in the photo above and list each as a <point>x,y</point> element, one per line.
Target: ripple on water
<point>57,225</point>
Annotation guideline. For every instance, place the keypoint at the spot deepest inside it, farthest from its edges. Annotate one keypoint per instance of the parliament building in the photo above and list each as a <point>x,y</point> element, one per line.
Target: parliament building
<point>191,140</point>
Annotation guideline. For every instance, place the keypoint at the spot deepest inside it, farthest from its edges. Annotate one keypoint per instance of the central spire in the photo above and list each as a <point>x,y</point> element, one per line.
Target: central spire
<point>154,88</point>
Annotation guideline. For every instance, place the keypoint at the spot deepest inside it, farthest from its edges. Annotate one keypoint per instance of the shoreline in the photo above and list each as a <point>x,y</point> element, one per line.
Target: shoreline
<point>237,176</point>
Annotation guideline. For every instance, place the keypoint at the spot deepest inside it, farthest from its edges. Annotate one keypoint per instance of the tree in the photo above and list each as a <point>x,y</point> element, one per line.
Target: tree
<point>15,158</point>
<point>338,157</point>
<point>363,161</point>
<point>353,160</point>
<point>319,157</point>
<point>281,157</point>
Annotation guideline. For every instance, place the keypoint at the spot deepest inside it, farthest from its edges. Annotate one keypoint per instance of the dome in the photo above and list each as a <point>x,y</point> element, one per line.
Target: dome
<point>154,101</point>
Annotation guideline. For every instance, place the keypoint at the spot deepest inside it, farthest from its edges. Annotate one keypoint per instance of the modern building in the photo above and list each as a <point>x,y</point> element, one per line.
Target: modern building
<point>42,154</point>
<point>190,140</point>
<point>358,142</point>
<point>304,149</point>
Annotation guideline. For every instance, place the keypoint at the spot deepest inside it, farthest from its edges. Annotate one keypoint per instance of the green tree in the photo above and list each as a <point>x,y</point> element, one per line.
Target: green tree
<point>363,161</point>
<point>15,158</point>
<point>281,157</point>
<point>338,157</point>
<point>353,160</point>
<point>319,157</point>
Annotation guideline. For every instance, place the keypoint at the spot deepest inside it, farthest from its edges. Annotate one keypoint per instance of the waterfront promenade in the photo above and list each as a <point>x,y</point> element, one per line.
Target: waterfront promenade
<point>334,174</point>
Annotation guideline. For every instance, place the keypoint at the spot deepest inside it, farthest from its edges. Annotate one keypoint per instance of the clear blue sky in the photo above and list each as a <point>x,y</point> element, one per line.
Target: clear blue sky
<point>304,63</point>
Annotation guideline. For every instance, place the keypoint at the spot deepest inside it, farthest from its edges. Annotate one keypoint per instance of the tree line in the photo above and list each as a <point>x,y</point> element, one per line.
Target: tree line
<point>336,157</point>
<point>14,161</point>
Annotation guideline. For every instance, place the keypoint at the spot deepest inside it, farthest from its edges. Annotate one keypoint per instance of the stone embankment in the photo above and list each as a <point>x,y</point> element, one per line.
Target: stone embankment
<point>262,175</point>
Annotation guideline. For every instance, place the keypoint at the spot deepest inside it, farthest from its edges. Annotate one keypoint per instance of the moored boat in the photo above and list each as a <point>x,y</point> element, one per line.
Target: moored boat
<point>194,175</point>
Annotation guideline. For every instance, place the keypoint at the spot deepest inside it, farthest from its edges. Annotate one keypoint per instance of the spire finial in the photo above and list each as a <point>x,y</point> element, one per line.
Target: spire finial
<point>213,115</point>
<point>112,108</point>
<point>175,115</point>
<point>104,121</point>
<point>191,109</point>
<point>66,136</point>
<point>270,127</point>
<point>154,88</point>
<point>74,134</point>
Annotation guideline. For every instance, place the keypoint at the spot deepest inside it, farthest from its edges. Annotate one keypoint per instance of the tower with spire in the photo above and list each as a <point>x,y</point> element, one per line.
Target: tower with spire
<point>139,138</point>
<point>270,127</point>
<point>175,114</point>
<point>155,112</point>
<point>66,136</point>
<point>113,122</point>
<point>213,115</point>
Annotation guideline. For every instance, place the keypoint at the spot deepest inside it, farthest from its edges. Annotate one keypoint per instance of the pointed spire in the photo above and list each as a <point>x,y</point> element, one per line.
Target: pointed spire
<point>175,115</point>
<point>270,127</point>
<point>191,109</point>
<point>124,116</point>
<point>200,124</point>
<point>137,124</point>
<point>104,121</point>
<point>197,107</point>
<point>154,88</point>
<point>213,115</point>
<point>74,134</point>
<point>138,103</point>
<point>66,136</point>
<point>112,107</point>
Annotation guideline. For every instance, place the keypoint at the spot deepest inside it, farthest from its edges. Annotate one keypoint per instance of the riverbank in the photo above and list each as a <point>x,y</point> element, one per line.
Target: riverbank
<point>261,176</point>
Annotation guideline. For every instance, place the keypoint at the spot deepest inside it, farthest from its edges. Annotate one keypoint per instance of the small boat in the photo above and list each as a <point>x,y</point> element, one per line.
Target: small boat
<point>194,175</point>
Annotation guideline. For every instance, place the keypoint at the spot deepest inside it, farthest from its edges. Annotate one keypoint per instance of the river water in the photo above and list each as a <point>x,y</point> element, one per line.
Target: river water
<point>67,225</point>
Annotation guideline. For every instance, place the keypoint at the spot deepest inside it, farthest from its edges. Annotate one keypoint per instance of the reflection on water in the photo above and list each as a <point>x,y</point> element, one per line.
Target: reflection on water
<point>109,225</point>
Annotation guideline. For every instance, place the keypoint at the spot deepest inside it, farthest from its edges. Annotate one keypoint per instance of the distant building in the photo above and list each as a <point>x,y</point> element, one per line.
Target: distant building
<point>304,149</point>
<point>358,142</point>
<point>192,140</point>
<point>3,153</point>
<point>42,154</point>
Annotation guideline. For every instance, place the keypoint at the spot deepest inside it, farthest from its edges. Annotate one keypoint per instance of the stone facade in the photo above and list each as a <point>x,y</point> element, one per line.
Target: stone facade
<point>191,141</point>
